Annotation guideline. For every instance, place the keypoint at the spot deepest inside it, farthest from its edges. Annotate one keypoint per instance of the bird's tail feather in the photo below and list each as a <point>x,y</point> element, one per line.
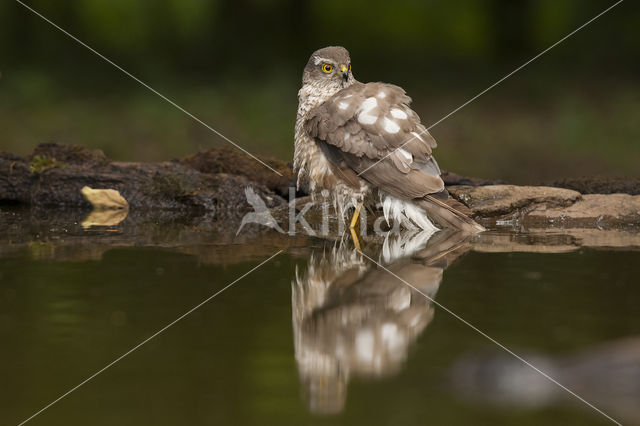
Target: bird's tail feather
<point>449,216</point>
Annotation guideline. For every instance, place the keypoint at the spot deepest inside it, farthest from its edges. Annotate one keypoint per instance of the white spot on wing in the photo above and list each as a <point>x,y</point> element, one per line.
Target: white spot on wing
<point>364,117</point>
<point>343,105</point>
<point>382,95</point>
<point>369,104</point>
<point>398,113</point>
<point>391,126</point>
<point>406,154</point>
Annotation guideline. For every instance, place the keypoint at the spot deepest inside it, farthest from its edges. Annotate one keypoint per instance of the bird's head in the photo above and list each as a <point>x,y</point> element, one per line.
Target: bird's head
<point>329,67</point>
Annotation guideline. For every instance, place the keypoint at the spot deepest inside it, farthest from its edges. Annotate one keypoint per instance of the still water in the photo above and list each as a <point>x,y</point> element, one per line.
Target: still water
<point>318,335</point>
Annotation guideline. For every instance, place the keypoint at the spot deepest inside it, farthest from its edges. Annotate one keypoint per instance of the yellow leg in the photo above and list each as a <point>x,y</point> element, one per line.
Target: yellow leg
<point>354,228</point>
<point>355,217</point>
<point>355,237</point>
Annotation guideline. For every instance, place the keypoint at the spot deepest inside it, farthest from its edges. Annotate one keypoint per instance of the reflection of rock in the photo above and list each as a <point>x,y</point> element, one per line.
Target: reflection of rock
<point>350,318</point>
<point>58,235</point>
<point>209,239</point>
<point>607,376</point>
<point>104,218</point>
<point>548,241</point>
<point>605,239</point>
<point>531,243</point>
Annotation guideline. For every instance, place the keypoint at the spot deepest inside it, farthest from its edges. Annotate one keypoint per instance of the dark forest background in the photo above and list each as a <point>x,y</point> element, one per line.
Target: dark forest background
<point>237,66</point>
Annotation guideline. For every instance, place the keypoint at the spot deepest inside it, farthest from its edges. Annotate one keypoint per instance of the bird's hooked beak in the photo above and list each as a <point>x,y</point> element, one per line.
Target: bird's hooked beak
<point>343,72</point>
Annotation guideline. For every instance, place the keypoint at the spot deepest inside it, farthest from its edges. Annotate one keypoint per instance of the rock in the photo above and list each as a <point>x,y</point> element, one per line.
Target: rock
<point>544,207</point>
<point>499,200</point>
<point>592,211</point>
<point>105,199</point>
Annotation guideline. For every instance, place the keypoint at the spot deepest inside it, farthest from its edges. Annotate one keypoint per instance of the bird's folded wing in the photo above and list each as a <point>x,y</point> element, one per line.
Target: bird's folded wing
<point>369,130</point>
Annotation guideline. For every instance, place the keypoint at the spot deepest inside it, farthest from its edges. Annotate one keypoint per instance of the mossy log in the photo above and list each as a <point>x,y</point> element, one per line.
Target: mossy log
<point>210,182</point>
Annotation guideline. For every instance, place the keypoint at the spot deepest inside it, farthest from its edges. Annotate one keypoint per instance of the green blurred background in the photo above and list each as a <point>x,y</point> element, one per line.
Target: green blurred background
<point>237,66</point>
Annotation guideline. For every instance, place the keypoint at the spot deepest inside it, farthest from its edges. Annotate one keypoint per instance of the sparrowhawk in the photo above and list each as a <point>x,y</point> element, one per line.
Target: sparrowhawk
<point>361,142</point>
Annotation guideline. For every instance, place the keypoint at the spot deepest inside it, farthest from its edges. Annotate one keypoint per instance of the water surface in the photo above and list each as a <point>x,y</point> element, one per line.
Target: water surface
<point>318,335</point>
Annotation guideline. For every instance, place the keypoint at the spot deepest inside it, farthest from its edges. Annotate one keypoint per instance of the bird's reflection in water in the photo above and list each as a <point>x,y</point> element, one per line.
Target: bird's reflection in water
<point>353,318</point>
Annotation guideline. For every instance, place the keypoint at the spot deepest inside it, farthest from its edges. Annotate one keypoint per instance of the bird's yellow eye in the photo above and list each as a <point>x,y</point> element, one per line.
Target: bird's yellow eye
<point>327,68</point>
<point>349,67</point>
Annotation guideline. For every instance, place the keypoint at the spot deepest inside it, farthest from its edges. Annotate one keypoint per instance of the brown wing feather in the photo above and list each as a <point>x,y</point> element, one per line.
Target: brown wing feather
<point>449,216</point>
<point>341,121</point>
<point>338,164</point>
<point>366,123</point>
<point>368,131</point>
